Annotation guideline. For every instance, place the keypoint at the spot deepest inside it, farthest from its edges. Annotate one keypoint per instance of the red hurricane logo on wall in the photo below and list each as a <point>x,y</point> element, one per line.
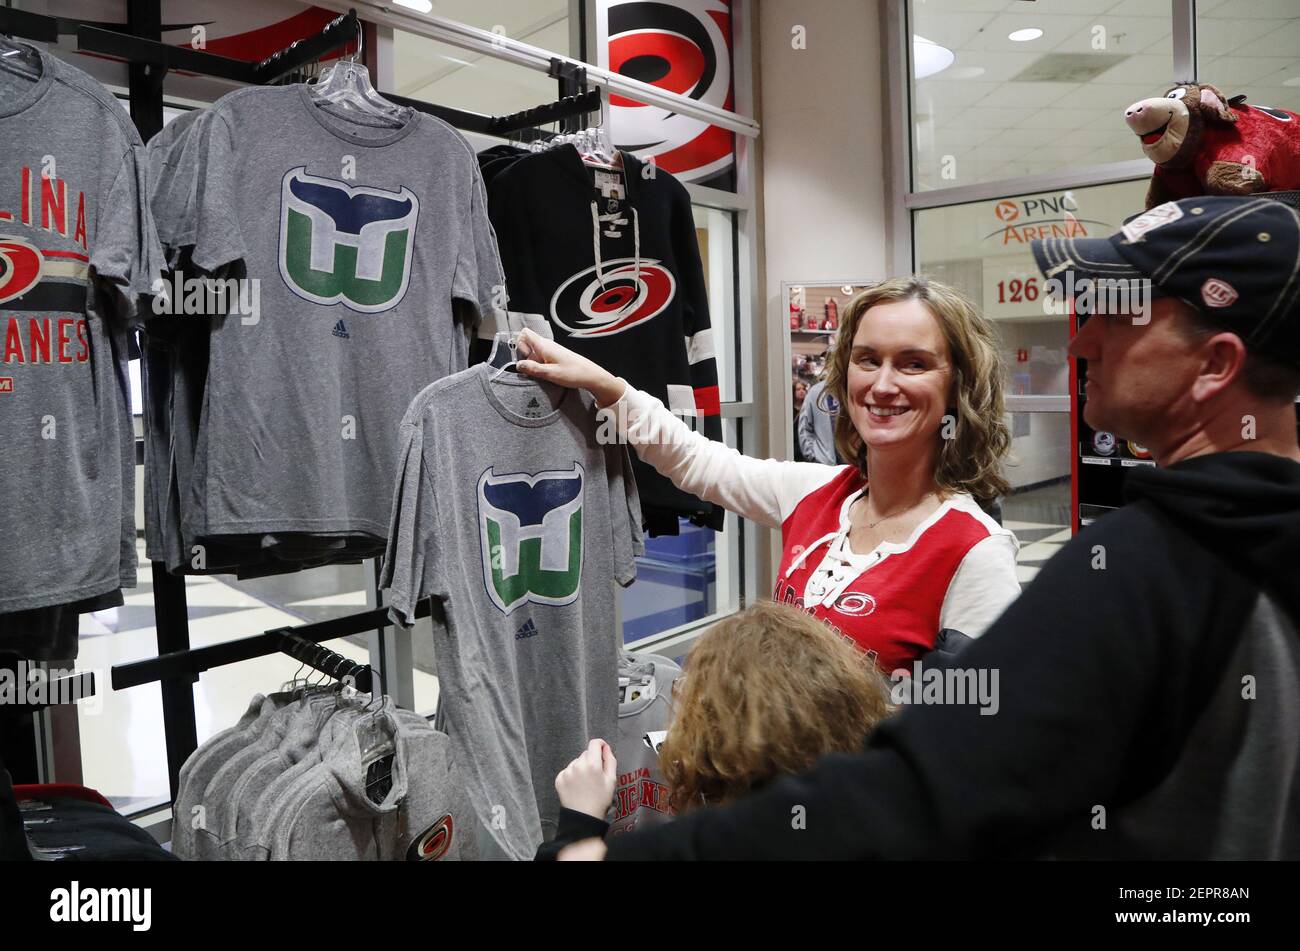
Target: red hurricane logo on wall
<point>614,302</point>
<point>20,267</point>
<point>433,844</point>
<point>681,46</point>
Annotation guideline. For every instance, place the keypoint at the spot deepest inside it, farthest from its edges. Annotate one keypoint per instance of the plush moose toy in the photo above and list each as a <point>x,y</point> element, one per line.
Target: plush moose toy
<point>1205,144</point>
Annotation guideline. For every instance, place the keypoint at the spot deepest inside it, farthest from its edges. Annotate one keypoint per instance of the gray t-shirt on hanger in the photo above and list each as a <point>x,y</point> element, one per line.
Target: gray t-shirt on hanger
<point>78,248</point>
<point>518,523</point>
<point>361,237</point>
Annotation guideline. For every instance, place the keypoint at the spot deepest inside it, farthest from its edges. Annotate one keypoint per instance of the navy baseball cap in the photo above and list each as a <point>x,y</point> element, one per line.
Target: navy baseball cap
<point>1234,259</point>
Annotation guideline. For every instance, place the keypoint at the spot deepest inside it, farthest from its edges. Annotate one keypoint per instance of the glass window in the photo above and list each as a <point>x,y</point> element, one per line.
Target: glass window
<point>685,578</point>
<point>982,249</point>
<point>1003,89</point>
<point>436,72</point>
<point>1251,47</point>
<point>541,23</point>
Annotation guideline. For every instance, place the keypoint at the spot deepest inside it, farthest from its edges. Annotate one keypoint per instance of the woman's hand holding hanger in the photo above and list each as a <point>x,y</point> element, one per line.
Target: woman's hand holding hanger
<point>546,360</point>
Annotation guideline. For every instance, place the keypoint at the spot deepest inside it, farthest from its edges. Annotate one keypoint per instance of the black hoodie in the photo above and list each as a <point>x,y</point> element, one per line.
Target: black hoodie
<point>1148,705</point>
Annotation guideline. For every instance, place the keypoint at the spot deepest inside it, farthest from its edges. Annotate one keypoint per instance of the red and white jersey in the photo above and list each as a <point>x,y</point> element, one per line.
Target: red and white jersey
<point>957,570</point>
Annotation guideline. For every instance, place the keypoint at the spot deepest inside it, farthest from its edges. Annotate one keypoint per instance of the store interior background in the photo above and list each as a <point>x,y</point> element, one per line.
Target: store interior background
<point>844,144</point>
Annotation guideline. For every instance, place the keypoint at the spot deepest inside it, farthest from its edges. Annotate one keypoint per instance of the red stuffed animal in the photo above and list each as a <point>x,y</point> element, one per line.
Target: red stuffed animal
<point>1204,144</point>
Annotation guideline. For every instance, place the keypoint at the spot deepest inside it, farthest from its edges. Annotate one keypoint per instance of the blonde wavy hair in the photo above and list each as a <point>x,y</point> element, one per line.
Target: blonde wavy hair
<point>972,460</point>
<point>765,693</point>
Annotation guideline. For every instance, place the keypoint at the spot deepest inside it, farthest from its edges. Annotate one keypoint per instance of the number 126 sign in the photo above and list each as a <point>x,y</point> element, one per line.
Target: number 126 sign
<point>1013,288</point>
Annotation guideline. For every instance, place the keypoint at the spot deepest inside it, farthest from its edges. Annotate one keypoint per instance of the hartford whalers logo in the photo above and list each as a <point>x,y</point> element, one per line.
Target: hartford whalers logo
<point>346,244</point>
<point>531,533</point>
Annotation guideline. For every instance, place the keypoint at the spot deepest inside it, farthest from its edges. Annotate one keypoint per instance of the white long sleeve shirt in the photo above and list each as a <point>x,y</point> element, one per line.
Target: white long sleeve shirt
<point>957,570</point>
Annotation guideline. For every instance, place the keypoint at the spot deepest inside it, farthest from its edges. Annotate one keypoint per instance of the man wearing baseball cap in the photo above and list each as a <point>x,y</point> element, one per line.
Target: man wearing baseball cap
<point>1149,677</point>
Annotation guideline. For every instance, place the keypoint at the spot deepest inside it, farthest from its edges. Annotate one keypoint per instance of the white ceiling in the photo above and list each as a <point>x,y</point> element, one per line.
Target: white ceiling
<point>448,75</point>
<point>996,126</point>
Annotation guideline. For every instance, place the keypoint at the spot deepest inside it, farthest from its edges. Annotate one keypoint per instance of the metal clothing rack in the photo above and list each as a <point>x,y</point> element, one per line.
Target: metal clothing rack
<point>178,665</point>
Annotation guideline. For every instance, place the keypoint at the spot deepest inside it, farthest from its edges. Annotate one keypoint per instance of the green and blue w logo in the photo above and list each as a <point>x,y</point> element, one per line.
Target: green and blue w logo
<point>530,528</point>
<point>347,244</point>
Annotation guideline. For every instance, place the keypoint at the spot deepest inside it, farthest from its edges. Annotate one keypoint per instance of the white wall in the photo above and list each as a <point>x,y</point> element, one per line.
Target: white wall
<point>822,155</point>
<point>822,142</point>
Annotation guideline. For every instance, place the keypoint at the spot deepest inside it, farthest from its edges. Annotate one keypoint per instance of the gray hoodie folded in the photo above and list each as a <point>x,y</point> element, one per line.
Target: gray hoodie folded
<point>216,800</point>
<point>283,793</point>
<point>204,763</point>
<point>301,740</point>
<point>424,816</point>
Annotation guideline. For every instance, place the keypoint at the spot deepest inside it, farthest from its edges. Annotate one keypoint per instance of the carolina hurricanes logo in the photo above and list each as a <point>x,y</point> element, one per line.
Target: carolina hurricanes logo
<point>683,46</point>
<point>614,302</point>
<point>20,267</point>
<point>855,603</point>
<point>433,843</point>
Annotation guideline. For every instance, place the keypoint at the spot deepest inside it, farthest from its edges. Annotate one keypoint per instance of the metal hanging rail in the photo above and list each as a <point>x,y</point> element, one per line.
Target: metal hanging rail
<point>32,26</point>
<point>502,47</point>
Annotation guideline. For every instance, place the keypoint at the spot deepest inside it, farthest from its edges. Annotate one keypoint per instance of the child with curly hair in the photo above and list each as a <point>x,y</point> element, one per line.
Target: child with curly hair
<point>765,693</point>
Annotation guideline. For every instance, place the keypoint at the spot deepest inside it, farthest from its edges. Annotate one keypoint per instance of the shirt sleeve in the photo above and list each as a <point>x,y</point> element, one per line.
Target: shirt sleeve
<point>625,514</point>
<point>982,587</point>
<point>762,490</point>
<point>411,573</point>
<point>175,204</point>
<point>479,278</point>
<point>803,430</point>
<point>573,827</point>
<point>126,252</point>
<point>218,239</point>
<point>162,153</point>
<point>694,291</point>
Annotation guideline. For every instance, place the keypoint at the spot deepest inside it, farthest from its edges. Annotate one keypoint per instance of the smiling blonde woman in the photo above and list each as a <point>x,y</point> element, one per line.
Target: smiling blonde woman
<point>897,545</point>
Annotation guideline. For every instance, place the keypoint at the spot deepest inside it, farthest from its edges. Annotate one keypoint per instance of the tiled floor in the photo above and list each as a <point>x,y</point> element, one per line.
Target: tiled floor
<point>1040,519</point>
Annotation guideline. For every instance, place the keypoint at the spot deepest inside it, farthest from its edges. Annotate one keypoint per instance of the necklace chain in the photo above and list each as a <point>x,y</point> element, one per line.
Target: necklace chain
<point>871,525</point>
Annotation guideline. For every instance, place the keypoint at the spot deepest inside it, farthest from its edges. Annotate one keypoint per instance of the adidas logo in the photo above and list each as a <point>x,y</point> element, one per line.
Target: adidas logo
<point>341,331</point>
<point>528,630</point>
<point>533,404</point>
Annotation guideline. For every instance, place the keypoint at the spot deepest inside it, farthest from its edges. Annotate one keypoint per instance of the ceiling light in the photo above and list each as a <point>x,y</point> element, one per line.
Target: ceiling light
<point>1293,81</point>
<point>1024,36</point>
<point>966,72</point>
<point>420,6</point>
<point>928,57</point>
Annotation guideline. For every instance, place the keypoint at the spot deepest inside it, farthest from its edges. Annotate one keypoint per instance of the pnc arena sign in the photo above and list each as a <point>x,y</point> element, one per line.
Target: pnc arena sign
<point>1021,220</point>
